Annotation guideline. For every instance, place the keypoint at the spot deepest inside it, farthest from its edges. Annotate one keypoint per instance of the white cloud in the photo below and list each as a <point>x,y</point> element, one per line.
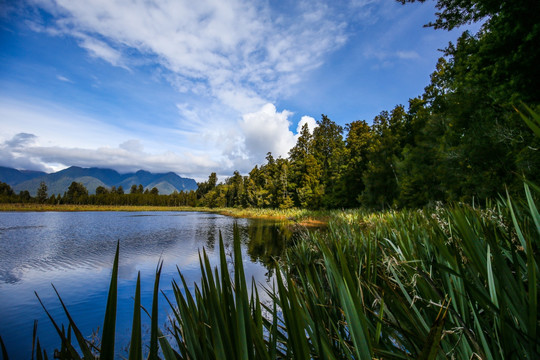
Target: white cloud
<point>311,123</point>
<point>267,130</point>
<point>240,51</point>
<point>230,59</point>
<point>133,145</point>
<point>128,156</point>
<point>55,138</point>
<point>407,55</point>
<point>101,50</point>
<point>63,78</point>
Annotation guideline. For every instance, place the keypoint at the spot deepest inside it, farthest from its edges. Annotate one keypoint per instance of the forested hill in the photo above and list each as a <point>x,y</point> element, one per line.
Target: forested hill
<point>462,139</point>
<point>91,178</point>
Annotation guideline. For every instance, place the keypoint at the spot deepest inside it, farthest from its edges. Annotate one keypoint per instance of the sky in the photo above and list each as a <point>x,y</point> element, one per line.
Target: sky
<point>203,86</point>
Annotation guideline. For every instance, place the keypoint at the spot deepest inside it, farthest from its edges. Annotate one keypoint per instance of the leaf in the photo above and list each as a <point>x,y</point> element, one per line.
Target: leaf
<point>431,347</point>
<point>534,122</point>
<point>153,354</point>
<point>135,347</point>
<point>4,350</point>
<point>87,354</point>
<point>109,323</point>
<point>61,333</point>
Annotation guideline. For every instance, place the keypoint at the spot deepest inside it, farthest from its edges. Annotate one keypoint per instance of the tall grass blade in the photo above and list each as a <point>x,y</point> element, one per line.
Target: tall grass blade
<point>168,352</point>
<point>153,354</point>
<point>109,322</point>
<point>533,122</point>
<point>432,345</point>
<point>4,350</point>
<point>66,345</point>
<point>532,268</point>
<point>242,300</point>
<point>34,337</point>
<point>87,353</point>
<point>135,346</point>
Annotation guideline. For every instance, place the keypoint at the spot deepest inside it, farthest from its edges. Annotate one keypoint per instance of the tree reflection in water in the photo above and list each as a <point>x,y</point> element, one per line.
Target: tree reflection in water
<point>266,240</point>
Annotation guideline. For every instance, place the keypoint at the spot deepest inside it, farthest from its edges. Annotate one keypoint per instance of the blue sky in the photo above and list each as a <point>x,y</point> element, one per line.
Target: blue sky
<point>195,87</point>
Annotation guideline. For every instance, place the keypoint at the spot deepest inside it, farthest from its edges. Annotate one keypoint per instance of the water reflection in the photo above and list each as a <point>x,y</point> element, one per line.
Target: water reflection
<point>75,252</point>
<point>266,240</point>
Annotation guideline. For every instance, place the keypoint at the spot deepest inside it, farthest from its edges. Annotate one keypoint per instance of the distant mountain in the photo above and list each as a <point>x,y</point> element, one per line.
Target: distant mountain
<point>91,178</point>
<point>13,176</point>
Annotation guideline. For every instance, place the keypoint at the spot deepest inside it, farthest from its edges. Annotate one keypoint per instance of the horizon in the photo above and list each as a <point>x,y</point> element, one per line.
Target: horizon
<point>100,168</point>
<point>167,86</point>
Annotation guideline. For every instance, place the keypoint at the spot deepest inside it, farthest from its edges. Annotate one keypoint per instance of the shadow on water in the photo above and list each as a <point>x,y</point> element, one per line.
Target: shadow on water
<point>266,240</point>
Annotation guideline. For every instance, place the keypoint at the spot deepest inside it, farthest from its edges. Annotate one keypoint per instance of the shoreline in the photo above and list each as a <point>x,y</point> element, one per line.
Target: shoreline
<point>308,218</point>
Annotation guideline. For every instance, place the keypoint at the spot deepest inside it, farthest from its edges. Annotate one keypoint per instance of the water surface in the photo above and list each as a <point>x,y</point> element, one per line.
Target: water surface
<point>75,251</point>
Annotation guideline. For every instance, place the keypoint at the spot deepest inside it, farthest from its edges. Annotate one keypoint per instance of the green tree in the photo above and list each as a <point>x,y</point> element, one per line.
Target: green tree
<point>483,143</point>
<point>42,193</point>
<point>390,133</point>
<point>24,196</point>
<point>305,172</point>
<point>76,194</point>
<point>101,190</point>
<point>204,187</point>
<point>7,195</point>
<point>235,190</point>
<point>358,145</point>
<point>329,150</point>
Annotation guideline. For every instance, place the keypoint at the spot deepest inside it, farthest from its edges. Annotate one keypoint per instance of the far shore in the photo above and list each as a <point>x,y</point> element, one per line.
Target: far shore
<point>300,216</point>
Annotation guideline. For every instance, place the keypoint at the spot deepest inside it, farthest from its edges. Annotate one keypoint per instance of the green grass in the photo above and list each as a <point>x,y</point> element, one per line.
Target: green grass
<point>449,282</point>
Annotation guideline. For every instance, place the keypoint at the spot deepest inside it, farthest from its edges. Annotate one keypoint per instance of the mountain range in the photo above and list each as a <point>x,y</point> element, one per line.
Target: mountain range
<point>91,178</point>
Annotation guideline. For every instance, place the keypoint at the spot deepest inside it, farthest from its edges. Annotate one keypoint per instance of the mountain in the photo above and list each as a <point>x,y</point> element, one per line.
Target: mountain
<point>91,178</point>
<point>14,176</point>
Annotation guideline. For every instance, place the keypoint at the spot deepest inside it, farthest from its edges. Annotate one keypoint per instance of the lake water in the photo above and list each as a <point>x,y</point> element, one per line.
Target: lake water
<point>75,251</point>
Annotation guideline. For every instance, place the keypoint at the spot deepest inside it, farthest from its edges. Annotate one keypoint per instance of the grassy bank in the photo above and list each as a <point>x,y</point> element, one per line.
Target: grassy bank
<point>302,216</point>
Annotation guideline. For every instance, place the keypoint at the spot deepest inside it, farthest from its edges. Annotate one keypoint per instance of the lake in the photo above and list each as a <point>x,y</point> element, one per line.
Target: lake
<point>75,251</point>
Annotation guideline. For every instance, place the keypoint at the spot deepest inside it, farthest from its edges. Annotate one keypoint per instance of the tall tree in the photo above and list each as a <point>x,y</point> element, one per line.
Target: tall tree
<point>76,194</point>
<point>42,193</point>
<point>390,133</point>
<point>305,172</point>
<point>358,145</point>
<point>328,149</point>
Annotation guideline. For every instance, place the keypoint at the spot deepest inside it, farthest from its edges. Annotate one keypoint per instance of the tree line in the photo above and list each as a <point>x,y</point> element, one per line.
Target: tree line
<point>77,194</point>
<point>461,140</point>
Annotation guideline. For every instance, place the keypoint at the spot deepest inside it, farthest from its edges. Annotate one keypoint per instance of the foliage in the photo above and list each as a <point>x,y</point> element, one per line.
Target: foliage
<point>41,196</point>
